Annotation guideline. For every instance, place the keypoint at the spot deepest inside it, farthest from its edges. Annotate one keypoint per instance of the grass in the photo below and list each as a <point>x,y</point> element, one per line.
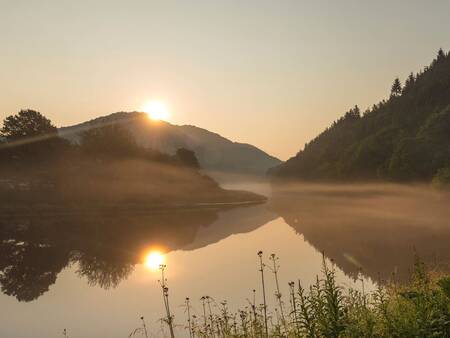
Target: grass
<point>418,308</point>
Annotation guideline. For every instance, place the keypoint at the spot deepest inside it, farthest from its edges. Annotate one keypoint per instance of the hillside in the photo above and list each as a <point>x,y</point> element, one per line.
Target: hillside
<point>104,168</point>
<point>214,152</point>
<point>403,138</point>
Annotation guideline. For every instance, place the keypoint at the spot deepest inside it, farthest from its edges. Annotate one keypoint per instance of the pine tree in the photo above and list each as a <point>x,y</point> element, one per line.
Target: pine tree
<point>396,89</point>
<point>409,82</point>
<point>356,111</point>
<point>440,55</point>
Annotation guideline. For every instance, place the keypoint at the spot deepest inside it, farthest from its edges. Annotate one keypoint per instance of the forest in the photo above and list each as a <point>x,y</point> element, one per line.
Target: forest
<point>405,138</point>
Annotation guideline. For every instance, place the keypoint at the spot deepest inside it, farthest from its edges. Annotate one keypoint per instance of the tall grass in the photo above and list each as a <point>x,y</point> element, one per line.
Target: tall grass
<point>165,294</point>
<point>418,308</point>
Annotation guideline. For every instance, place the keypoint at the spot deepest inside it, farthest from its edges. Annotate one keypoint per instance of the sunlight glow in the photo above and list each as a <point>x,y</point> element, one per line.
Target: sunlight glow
<point>156,110</point>
<point>153,260</point>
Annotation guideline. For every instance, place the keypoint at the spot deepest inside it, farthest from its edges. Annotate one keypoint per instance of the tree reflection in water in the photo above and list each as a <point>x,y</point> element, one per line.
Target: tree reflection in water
<point>373,229</point>
<point>103,268</point>
<point>29,268</point>
<point>105,245</point>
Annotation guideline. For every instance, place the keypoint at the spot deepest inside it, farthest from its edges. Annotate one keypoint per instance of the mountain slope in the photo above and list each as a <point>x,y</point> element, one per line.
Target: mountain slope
<point>214,152</point>
<point>406,138</point>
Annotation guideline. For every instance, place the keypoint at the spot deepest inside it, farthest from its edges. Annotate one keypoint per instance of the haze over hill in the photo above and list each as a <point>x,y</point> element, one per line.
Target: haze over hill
<point>214,152</point>
<point>404,138</point>
<point>104,168</point>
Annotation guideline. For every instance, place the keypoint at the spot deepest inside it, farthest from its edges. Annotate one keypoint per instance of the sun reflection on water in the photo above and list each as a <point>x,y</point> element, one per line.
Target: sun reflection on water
<point>154,259</point>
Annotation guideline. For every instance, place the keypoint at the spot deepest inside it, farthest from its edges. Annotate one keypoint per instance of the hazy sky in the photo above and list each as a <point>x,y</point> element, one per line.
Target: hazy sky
<point>271,73</point>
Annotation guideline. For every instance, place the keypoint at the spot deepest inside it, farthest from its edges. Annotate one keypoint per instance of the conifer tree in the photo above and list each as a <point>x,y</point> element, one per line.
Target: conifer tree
<point>396,89</point>
<point>409,82</point>
<point>440,55</point>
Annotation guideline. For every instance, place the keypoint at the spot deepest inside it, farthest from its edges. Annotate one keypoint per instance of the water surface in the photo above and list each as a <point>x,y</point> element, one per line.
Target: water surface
<point>84,271</point>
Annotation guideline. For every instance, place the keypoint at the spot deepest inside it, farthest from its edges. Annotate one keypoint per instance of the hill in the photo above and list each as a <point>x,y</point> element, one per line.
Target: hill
<point>404,138</point>
<point>104,168</point>
<point>214,152</point>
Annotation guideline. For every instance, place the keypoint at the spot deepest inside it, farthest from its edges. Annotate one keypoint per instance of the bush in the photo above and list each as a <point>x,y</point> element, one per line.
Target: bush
<point>442,178</point>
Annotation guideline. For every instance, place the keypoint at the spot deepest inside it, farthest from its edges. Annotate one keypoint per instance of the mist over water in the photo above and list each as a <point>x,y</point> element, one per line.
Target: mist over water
<point>373,228</point>
<point>88,264</point>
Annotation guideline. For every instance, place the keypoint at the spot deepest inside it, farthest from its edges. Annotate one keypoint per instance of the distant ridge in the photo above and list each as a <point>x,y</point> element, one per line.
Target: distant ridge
<point>214,152</point>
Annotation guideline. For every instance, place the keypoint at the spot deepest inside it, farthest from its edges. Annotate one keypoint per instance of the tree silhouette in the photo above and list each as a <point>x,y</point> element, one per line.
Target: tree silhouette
<point>440,55</point>
<point>396,88</point>
<point>110,141</point>
<point>27,123</point>
<point>187,157</point>
<point>31,145</point>
<point>409,82</point>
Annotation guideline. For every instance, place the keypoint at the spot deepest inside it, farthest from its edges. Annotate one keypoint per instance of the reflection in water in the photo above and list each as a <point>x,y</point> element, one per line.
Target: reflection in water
<point>372,228</point>
<point>153,260</point>
<point>208,251</point>
<point>376,228</point>
<point>28,267</point>
<point>104,245</point>
<point>238,221</point>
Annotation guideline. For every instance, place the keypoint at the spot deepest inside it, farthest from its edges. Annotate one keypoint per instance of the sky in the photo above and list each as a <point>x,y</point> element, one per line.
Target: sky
<point>270,73</point>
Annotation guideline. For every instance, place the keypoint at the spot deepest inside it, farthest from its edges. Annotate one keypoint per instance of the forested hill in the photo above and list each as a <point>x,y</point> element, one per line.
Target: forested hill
<point>214,152</point>
<point>403,138</point>
<point>106,168</point>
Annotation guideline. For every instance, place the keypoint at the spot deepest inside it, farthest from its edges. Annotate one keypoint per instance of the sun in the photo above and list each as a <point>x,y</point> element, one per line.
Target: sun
<point>156,110</point>
<point>153,260</point>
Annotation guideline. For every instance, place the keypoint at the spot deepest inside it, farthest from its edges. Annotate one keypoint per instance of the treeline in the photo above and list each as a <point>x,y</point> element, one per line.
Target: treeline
<point>29,138</point>
<point>35,159</point>
<point>403,138</point>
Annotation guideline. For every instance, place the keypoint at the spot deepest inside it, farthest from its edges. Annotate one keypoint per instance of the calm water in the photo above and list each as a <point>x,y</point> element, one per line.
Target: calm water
<point>84,271</point>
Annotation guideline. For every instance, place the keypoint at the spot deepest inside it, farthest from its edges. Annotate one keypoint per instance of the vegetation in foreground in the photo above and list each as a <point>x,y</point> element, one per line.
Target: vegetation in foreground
<point>419,308</point>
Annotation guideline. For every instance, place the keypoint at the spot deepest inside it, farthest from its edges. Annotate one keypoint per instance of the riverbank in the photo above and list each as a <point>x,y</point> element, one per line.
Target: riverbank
<point>67,210</point>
